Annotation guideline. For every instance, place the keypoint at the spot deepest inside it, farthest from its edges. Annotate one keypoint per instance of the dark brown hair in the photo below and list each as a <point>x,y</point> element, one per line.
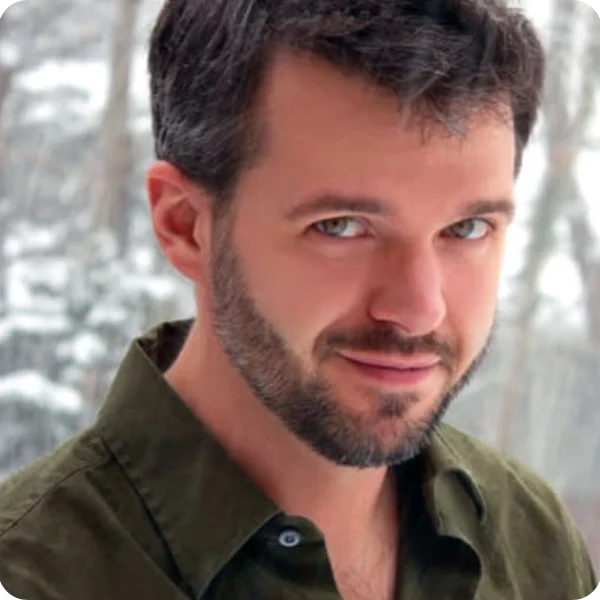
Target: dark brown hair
<point>449,58</point>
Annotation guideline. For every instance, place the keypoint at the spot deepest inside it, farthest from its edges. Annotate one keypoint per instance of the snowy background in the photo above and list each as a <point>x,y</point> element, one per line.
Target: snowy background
<point>81,273</point>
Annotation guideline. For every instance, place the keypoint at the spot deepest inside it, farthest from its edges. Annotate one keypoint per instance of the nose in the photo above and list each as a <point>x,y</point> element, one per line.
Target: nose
<point>408,291</point>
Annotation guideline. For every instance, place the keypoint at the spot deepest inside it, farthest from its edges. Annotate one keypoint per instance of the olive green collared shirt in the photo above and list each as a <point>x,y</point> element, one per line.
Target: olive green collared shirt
<point>145,505</point>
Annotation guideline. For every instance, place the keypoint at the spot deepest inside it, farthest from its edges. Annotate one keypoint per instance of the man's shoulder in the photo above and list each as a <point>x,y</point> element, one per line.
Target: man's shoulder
<point>524,515</point>
<point>23,492</point>
<point>502,479</point>
<point>498,473</point>
<point>45,509</point>
<point>72,526</point>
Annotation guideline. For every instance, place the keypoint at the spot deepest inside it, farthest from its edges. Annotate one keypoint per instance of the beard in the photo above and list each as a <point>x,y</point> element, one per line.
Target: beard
<point>307,404</point>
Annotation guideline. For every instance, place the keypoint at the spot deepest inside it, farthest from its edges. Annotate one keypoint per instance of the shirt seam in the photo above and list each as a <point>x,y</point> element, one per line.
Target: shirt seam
<point>49,491</point>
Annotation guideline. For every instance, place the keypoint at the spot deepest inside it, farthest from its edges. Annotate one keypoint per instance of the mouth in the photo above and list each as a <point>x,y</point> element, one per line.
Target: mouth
<point>404,372</point>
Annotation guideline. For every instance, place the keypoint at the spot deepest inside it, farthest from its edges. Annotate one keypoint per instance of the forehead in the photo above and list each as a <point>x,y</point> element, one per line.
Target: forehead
<point>308,103</point>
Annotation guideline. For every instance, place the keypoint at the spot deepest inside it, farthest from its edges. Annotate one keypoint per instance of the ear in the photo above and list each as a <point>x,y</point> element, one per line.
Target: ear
<point>180,218</point>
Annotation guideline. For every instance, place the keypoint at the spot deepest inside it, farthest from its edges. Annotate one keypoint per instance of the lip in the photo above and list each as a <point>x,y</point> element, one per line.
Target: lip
<point>392,372</point>
<point>389,362</point>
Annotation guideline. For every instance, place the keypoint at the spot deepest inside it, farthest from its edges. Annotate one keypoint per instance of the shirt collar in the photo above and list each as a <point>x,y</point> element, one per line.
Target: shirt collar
<point>203,504</point>
<point>453,489</point>
<point>205,507</point>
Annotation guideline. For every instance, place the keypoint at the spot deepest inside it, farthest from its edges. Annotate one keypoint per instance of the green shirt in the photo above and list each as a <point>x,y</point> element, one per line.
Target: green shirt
<point>146,505</point>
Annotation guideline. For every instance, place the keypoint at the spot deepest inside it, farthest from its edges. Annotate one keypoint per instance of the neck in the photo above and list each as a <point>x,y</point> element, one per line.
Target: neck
<point>344,502</point>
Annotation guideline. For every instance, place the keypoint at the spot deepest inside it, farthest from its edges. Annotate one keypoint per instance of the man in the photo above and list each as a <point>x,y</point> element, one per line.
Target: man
<point>336,179</point>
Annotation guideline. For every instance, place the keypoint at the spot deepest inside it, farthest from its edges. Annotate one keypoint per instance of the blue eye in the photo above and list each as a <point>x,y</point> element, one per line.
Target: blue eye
<point>470,229</point>
<point>340,227</point>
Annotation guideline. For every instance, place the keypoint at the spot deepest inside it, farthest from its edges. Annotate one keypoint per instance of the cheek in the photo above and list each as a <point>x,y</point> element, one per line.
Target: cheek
<point>471,298</point>
<point>301,295</point>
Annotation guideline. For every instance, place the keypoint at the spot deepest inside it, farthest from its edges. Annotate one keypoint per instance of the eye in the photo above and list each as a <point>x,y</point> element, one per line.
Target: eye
<point>340,227</point>
<point>470,229</point>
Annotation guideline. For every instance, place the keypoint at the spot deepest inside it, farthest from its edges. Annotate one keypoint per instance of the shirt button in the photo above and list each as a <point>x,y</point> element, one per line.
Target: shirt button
<point>290,538</point>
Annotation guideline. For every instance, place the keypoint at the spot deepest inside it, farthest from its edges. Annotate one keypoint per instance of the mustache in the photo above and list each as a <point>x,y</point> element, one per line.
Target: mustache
<point>390,341</point>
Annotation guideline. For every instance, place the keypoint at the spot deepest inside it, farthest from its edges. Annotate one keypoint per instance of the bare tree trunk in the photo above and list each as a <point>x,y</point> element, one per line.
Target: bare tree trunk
<point>111,185</point>
<point>6,77</point>
<point>585,245</point>
<point>586,253</point>
<point>6,72</point>
<point>561,151</point>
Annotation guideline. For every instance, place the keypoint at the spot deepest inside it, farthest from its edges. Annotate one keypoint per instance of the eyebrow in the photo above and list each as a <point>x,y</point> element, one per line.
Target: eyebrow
<point>333,203</point>
<point>488,207</point>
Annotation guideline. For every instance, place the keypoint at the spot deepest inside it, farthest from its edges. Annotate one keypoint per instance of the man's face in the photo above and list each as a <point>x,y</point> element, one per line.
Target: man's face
<point>354,286</point>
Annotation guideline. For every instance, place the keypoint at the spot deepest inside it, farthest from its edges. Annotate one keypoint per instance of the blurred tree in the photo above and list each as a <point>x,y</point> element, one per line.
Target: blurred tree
<point>112,185</point>
<point>42,132</point>
<point>563,134</point>
<point>585,245</point>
